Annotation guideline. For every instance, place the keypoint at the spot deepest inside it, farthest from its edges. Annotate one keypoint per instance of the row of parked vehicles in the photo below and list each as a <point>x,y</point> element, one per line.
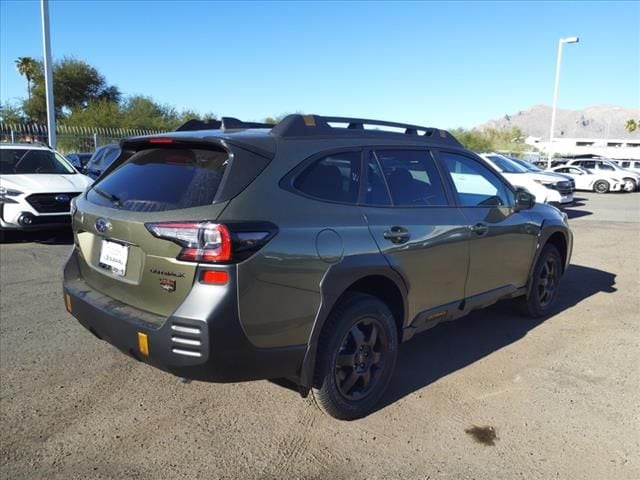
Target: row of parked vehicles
<point>37,183</point>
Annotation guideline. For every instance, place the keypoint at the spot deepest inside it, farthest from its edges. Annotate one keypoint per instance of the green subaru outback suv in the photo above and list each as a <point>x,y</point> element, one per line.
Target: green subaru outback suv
<point>230,251</point>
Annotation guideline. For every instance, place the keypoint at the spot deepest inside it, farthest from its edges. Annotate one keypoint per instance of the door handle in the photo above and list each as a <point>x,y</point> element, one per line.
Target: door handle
<point>397,234</point>
<point>480,229</point>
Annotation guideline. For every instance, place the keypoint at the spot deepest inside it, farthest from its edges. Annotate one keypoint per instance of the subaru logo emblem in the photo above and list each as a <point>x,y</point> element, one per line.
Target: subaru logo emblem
<point>63,198</point>
<point>103,225</point>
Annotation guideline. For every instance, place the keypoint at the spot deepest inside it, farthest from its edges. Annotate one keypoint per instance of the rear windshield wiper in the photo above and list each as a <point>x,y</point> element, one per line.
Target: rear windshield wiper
<point>109,196</point>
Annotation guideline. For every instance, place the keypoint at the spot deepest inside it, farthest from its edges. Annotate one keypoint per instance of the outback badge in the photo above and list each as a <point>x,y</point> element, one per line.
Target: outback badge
<point>168,285</point>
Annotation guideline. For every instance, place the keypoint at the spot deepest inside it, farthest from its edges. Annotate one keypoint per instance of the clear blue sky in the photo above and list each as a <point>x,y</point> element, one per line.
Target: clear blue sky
<point>444,64</point>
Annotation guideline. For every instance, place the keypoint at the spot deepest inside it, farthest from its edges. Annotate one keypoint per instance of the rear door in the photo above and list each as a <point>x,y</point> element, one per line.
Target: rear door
<point>502,241</point>
<point>420,233</point>
<point>120,257</point>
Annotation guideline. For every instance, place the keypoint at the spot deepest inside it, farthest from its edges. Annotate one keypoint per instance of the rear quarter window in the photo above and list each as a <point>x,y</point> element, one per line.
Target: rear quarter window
<point>156,180</point>
<point>335,178</point>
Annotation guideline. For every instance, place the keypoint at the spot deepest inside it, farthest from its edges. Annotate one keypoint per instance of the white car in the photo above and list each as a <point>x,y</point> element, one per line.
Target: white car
<point>546,188</point>
<point>607,167</point>
<point>36,187</point>
<point>587,180</point>
<point>633,165</point>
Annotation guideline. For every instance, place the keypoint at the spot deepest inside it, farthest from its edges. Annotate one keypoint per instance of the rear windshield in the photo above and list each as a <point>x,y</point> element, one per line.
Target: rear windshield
<point>156,180</point>
<point>26,161</point>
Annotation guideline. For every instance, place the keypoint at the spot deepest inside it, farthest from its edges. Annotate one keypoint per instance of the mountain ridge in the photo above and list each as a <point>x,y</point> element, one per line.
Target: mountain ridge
<point>596,121</point>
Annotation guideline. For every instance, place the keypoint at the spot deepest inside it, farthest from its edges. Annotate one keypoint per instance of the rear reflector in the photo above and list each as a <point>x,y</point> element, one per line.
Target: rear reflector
<point>67,301</point>
<point>143,344</point>
<point>215,277</point>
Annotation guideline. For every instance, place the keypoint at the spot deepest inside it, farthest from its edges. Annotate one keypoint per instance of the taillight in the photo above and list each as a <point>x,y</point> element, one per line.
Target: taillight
<point>209,242</point>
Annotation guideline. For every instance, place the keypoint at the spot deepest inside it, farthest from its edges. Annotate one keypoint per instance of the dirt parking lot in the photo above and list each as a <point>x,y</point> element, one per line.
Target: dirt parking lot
<point>562,395</point>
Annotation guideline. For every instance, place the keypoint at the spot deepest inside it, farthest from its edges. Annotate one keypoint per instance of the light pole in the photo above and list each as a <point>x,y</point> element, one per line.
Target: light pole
<point>48,73</point>
<point>555,93</point>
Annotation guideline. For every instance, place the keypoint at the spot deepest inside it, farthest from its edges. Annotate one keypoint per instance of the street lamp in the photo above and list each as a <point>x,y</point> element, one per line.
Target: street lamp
<point>555,93</point>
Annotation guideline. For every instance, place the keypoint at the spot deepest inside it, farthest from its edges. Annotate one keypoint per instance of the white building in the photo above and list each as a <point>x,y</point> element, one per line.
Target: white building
<point>611,148</point>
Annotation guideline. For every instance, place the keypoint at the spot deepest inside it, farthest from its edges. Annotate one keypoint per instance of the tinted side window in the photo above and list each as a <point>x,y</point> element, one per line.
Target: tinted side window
<point>605,166</point>
<point>109,157</point>
<point>376,192</point>
<point>412,177</point>
<point>474,183</point>
<point>587,164</point>
<point>95,158</point>
<point>335,177</point>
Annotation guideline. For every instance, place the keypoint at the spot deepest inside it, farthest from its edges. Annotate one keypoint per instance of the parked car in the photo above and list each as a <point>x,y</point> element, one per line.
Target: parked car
<point>600,165</point>
<point>586,180</point>
<point>633,165</point>
<point>79,160</point>
<point>552,173</point>
<point>305,251</point>
<point>557,192</point>
<point>101,159</point>
<point>36,187</point>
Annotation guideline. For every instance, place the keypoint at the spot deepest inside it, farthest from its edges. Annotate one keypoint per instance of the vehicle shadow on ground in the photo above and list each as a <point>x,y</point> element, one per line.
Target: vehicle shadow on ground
<point>451,346</point>
<point>573,213</point>
<point>46,237</point>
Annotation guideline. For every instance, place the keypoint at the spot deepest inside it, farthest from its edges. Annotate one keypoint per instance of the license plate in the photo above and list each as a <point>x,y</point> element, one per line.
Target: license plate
<point>114,257</point>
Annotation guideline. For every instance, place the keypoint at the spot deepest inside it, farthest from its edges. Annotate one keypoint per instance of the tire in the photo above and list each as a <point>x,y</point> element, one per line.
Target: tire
<point>629,184</point>
<point>540,300</point>
<point>601,186</point>
<point>348,356</point>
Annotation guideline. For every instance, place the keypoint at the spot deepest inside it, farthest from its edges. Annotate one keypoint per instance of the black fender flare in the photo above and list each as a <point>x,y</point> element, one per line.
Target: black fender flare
<point>546,231</point>
<point>337,279</point>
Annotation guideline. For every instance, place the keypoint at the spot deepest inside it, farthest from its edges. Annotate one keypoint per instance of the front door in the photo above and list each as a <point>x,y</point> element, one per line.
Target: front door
<point>502,241</point>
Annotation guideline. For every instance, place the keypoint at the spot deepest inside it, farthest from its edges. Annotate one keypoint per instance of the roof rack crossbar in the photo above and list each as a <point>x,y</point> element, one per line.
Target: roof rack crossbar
<point>225,123</point>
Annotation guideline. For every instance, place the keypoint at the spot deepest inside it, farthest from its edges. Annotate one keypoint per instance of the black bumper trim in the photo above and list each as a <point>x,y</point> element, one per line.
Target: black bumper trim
<point>223,355</point>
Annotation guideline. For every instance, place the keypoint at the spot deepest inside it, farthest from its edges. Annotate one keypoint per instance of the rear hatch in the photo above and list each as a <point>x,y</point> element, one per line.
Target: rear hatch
<point>119,255</point>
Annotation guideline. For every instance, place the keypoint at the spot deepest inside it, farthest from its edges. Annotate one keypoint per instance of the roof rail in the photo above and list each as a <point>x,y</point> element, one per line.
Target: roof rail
<point>226,123</point>
<point>298,125</point>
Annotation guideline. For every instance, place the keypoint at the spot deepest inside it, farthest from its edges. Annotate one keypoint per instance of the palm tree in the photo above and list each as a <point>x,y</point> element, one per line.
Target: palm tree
<point>631,125</point>
<point>27,67</point>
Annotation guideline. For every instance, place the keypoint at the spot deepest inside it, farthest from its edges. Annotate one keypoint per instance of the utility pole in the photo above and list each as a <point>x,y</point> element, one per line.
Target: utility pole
<point>48,73</point>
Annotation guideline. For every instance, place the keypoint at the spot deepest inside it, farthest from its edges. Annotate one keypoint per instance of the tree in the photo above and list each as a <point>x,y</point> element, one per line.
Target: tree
<point>473,139</point>
<point>631,125</point>
<point>28,68</point>
<point>277,119</point>
<point>11,114</point>
<point>491,139</point>
<point>98,114</point>
<point>75,85</point>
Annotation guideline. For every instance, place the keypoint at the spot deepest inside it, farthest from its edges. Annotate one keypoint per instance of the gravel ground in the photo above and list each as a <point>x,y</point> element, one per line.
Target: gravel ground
<point>560,396</point>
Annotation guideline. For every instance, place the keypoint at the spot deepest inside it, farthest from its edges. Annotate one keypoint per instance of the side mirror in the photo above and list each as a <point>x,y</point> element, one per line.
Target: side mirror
<point>524,200</point>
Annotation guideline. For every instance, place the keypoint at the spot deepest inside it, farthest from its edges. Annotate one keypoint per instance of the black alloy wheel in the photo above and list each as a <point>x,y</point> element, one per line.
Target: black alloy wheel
<point>357,353</point>
<point>360,360</point>
<point>544,284</point>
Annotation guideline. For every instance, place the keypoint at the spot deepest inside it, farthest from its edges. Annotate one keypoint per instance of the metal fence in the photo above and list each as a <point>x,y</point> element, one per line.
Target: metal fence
<point>70,139</point>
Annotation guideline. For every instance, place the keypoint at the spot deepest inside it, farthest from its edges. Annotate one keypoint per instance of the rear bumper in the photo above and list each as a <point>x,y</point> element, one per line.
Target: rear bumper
<point>202,340</point>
